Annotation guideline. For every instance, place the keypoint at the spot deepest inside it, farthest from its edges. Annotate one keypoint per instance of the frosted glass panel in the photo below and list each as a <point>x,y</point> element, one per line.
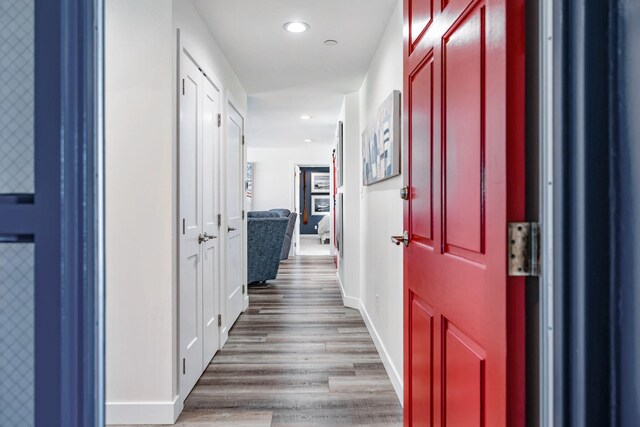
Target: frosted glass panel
<point>16,334</point>
<point>16,96</point>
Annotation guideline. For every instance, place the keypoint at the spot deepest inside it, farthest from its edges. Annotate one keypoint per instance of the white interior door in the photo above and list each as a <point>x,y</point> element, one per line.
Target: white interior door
<point>234,216</point>
<point>210,209</point>
<point>190,268</point>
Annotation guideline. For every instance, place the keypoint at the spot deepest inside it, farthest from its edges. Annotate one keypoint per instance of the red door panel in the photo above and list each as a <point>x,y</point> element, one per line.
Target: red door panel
<point>464,139</point>
<point>421,14</point>
<point>463,379</point>
<point>422,363</point>
<point>421,83</point>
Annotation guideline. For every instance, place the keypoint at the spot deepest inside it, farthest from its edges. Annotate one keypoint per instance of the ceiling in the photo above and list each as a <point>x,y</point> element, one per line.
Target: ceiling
<point>287,75</point>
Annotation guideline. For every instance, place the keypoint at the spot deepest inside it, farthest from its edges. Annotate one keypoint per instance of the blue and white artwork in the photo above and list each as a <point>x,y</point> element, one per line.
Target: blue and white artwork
<point>320,182</point>
<point>320,205</point>
<point>381,143</point>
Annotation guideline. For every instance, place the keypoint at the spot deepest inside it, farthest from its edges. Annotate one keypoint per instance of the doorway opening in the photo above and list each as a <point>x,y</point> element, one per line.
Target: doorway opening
<point>312,196</point>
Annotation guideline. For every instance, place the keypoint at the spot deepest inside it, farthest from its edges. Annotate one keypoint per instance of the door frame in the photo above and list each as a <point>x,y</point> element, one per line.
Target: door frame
<point>64,216</point>
<point>295,167</point>
<point>545,185</point>
<point>596,212</point>
<point>296,208</point>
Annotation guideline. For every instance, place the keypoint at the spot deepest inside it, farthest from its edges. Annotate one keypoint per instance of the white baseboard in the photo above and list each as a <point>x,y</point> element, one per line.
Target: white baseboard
<point>394,376</point>
<point>118,413</point>
<point>350,302</point>
<point>224,336</point>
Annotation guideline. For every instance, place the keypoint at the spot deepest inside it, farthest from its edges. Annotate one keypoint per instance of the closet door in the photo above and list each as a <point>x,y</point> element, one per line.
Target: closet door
<point>190,255</point>
<point>210,209</point>
<point>235,198</point>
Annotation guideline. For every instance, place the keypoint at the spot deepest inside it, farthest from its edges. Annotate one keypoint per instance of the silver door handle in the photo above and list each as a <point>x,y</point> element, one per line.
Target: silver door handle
<point>404,239</point>
<point>404,193</point>
<point>230,229</point>
<point>205,238</point>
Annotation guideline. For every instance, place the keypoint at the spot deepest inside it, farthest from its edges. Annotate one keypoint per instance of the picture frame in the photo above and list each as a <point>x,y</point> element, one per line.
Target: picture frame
<point>248,187</point>
<point>320,182</point>
<point>381,142</point>
<point>340,155</point>
<point>248,183</point>
<point>320,204</point>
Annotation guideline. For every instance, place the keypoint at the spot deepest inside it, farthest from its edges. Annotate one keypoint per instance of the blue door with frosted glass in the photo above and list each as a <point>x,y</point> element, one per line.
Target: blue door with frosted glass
<point>51,213</point>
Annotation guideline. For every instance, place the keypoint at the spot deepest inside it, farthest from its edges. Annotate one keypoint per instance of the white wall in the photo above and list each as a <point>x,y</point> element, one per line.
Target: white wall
<point>349,268</point>
<point>379,211</point>
<point>273,172</point>
<point>382,210</point>
<point>195,35</point>
<point>140,361</point>
<point>141,199</point>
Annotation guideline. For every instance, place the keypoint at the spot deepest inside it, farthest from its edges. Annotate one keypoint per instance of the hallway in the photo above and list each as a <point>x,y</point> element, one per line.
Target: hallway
<point>224,122</point>
<point>296,357</point>
<point>438,198</point>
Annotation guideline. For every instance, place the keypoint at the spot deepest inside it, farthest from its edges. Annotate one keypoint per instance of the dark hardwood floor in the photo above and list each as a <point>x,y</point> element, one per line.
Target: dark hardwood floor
<point>298,357</point>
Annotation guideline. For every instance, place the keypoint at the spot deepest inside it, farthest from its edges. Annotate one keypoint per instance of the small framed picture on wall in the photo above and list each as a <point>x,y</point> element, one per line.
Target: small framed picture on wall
<point>320,204</point>
<point>320,182</point>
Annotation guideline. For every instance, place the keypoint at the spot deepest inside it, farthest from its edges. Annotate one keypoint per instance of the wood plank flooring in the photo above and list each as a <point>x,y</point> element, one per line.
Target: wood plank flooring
<point>296,357</point>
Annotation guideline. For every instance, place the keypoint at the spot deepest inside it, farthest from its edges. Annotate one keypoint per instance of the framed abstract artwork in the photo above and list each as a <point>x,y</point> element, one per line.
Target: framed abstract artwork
<point>381,143</point>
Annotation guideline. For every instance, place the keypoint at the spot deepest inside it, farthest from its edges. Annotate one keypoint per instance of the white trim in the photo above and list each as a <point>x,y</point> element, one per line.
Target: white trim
<point>236,106</point>
<point>118,413</point>
<point>347,301</point>
<point>545,128</point>
<point>224,335</point>
<point>392,372</point>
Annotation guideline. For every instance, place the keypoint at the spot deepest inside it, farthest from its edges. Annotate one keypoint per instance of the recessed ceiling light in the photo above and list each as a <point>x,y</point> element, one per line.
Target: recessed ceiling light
<point>305,117</point>
<point>330,43</point>
<point>296,27</point>
<point>308,140</point>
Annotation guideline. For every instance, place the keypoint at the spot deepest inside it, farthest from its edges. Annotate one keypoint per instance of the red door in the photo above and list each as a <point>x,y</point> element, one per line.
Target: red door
<point>464,128</point>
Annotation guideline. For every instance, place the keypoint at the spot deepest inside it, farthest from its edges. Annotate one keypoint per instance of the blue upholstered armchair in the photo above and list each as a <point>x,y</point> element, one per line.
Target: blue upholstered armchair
<point>288,236</point>
<point>265,236</point>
